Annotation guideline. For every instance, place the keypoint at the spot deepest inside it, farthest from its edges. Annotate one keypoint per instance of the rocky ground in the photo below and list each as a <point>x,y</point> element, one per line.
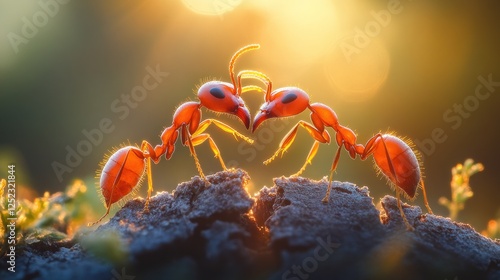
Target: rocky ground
<point>283,232</point>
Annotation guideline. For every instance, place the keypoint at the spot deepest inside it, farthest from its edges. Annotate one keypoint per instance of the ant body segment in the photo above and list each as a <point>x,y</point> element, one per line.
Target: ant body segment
<point>125,168</point>
<point>393,156</point>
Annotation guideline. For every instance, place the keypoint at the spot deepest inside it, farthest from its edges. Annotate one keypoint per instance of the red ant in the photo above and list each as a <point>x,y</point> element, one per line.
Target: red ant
<point>124,169</point>
<point>393,156</point>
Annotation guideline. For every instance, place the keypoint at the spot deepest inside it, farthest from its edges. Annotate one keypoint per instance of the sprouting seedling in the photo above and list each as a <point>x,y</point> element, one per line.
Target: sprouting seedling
<point>460,188</point>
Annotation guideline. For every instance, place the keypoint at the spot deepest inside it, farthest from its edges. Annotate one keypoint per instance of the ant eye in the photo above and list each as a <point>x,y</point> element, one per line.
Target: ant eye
<point>217,93</point>
<point>289,98</point>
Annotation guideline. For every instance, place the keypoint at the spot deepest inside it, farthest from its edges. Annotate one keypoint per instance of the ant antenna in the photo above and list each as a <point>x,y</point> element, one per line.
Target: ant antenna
<point>235,56</point>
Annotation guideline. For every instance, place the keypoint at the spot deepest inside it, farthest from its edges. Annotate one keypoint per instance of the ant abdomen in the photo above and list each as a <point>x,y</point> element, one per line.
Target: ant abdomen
<point>405,164</point>
<point>121,174</point>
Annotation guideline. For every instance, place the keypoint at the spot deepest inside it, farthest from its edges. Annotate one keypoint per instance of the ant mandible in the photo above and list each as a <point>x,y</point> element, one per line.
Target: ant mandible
<point>124,169</point>
<point>393,156</point>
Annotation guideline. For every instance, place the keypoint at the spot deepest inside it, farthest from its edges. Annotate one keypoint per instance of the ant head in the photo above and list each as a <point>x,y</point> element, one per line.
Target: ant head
<point>282,102</point>
<point>221,97</point>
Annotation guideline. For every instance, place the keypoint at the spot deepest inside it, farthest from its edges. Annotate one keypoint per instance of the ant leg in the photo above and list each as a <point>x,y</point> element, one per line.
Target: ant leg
<point>193,153</point>
<point>290,137</point>
<point>226,128</point>
<point>148,152</point>
<point>285,144</point>
<point>425,196</point>
<point>403,216</point>
<point>100,219</point>
<point>332,170</point>
<point>199,139</point>
<point>150,185</point>
<point>310,156</point>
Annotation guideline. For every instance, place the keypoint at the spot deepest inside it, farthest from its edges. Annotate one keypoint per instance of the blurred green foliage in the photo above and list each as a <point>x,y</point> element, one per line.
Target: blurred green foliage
<point>58,218</point>
<point>460,188</point>
<point>107,246</point>
<point>47,219</point>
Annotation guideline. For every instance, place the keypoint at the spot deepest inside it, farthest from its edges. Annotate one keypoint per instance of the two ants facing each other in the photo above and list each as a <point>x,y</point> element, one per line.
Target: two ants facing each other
<point>394,157</point>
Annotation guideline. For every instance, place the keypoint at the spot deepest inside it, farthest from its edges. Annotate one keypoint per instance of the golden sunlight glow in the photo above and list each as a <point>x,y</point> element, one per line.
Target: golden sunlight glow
<point>213,7</point>
<point>357,74</point>
<point>297,33</point>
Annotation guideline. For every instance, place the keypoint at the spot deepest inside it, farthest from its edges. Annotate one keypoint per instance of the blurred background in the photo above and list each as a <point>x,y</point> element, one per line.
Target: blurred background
<point>70,69</point>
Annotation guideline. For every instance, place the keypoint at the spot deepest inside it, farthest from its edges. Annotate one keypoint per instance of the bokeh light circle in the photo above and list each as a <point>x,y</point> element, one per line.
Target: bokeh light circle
<point>357,73</point>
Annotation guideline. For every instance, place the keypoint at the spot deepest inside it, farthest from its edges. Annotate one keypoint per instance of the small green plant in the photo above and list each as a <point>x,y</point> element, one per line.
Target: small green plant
<point>49,218</point>
<point>460,188</point>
